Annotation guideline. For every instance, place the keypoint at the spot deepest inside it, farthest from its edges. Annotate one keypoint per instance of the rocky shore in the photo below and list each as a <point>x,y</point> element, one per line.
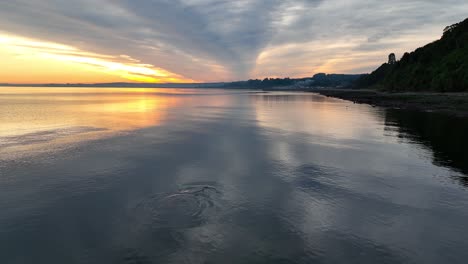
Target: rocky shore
<point>450,103</point>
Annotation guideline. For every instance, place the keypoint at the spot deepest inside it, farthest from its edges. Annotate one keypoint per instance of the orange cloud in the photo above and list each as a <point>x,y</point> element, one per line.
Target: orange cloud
<point>27,60</point>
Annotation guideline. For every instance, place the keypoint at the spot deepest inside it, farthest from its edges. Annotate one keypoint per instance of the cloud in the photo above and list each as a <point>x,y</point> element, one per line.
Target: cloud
<point>213,40</point>
<point>123,65</point>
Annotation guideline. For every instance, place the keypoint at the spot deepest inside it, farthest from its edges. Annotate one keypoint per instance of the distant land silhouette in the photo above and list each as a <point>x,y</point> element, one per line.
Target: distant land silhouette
<point>318,80</point>
<point>120,84</point>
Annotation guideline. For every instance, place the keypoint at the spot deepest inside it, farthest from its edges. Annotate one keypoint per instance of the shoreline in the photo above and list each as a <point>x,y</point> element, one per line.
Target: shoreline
<point>448,103</point>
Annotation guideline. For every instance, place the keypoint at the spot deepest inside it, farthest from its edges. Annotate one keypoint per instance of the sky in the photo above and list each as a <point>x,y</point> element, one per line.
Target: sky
<point>88,41</point>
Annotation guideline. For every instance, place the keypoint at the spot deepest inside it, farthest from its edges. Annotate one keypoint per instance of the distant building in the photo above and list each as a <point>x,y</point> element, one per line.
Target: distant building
<point>391,58</point>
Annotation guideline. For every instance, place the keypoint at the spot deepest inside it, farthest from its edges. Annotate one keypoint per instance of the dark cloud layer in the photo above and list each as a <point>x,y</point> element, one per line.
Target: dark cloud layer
<point>220,39</point>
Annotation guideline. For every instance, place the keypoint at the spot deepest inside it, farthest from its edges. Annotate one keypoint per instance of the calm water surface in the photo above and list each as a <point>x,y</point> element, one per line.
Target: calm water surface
<point>217,176</point>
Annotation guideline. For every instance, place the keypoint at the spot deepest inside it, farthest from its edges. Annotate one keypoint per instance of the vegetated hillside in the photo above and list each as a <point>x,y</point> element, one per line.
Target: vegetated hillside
<point>333,80</point>
<point>441,66</point>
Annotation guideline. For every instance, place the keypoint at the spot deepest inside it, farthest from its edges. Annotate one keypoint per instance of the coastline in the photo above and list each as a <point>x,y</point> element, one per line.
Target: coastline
<point>449,103</point>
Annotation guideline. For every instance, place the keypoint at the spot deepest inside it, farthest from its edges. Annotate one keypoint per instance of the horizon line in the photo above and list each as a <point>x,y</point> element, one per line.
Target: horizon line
<point>166,83</point>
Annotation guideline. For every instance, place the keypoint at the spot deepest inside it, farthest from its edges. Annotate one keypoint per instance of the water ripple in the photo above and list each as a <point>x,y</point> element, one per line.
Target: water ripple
<point>45,135</point>
<point>187,208</point>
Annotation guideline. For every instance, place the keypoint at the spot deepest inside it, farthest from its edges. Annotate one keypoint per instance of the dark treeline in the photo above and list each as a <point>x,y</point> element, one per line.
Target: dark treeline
<point>265,83</point>
<point>334,80</point>
<point>318,80</point>
<point>441,66</point>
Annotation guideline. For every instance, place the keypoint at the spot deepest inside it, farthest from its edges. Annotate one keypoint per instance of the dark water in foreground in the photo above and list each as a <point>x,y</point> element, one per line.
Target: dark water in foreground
<point>213,176</point>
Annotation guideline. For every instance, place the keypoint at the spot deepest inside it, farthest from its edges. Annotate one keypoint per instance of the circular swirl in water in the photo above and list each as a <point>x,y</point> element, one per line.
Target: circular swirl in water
<point>189,207</point>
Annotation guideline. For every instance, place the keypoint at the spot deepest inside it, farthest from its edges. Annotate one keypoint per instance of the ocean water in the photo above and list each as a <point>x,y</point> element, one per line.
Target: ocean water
<point>223,176</point>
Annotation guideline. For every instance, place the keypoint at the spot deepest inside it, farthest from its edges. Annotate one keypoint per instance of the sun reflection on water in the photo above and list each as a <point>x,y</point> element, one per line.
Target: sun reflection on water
<point>37,118</point>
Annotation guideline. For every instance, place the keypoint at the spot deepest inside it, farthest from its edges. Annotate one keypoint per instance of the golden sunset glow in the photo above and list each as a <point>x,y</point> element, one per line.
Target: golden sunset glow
<point>89,114</point>
<point>116,109</point>
<point>34,61</point>
<point>59,118</point>
<point>147,41</point>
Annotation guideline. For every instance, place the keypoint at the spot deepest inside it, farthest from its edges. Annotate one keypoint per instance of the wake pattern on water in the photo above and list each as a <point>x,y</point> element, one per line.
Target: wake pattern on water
<point>44,136</point>
<point>187,208</point>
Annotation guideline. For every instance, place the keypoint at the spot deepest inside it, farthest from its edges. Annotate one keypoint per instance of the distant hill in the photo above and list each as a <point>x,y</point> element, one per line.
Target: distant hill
<point>318,80</point>
<point>334,80</point>
<point>121,85</point>
<point>440,66</point>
